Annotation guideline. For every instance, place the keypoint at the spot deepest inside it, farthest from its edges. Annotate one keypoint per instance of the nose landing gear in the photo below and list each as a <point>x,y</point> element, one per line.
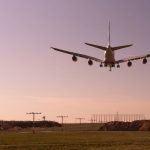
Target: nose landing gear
<point>110,68</point>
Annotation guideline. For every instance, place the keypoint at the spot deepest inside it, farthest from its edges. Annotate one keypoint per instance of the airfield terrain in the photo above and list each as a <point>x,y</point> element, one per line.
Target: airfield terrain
<point>74,137</point>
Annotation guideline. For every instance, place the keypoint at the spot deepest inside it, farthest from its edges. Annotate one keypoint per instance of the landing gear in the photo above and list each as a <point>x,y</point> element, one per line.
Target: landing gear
<point>110,65</point>
<point>110,68</point>
<point>113,65</point>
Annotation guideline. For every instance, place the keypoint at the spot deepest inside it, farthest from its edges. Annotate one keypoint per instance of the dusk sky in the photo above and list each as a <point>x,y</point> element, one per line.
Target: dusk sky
<point>34,77</point>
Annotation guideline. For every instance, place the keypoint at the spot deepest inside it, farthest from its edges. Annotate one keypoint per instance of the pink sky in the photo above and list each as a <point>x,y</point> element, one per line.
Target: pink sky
<point>36,78</point>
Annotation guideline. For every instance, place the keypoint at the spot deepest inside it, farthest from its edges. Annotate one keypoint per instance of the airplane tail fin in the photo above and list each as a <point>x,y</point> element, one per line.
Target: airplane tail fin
<point>105,48</point>
<point>109,35</point>
<point>101,47</point>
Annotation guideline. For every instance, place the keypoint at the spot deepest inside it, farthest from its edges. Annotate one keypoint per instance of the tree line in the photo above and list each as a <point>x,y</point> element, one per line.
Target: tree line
<point>4,125</point>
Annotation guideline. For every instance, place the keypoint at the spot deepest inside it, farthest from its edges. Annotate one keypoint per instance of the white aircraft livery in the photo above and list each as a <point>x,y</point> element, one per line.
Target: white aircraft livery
<point>109,57</point>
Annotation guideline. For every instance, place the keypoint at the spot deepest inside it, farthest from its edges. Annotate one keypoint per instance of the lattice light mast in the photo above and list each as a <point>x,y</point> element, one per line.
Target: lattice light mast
<point>33,113</point>
<point>62,118</point>
<point>80,119</point>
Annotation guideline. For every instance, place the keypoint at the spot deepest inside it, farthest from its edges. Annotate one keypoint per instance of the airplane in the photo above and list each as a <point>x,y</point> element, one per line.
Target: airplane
<point>109,55</point>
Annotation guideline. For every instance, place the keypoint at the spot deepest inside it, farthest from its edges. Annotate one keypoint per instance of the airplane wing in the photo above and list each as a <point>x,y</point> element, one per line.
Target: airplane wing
<point>97,46</point>
<point>120,47</point>
<point>77,54</point>
<point>132,58</point>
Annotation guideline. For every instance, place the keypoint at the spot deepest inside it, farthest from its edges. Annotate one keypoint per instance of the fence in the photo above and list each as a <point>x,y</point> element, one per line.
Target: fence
<point>103,118</point>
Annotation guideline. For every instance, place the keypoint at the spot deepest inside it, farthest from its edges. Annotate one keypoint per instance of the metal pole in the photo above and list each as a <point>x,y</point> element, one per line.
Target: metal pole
<point>80,120</point>
<point>62,119</point>
<point>33,114</point>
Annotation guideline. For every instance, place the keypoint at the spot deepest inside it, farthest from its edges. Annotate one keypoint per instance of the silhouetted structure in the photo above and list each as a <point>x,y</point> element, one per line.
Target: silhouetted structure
<point>138,125</point>
<point>44,118</point>
<point>4,125</point>
<point>33,113</point>
<point>80,119</point>
<point>62,118</point>
<point>103,118</point>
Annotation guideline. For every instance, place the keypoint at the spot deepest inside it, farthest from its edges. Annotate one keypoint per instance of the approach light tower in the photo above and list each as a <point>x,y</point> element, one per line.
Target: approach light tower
<point>33,113</point>
<point>80,120</point>
<point>62,118</point>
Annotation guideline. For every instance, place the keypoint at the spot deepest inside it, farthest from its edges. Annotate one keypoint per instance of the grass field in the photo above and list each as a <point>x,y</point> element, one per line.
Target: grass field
<point>75,140</point>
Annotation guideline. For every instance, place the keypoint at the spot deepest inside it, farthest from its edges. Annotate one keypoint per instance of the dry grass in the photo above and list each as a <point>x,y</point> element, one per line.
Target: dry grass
<point>75,140</point>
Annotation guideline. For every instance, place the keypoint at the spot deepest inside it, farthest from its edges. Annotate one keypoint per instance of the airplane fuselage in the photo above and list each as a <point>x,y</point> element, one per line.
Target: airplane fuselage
<point>109,58</point>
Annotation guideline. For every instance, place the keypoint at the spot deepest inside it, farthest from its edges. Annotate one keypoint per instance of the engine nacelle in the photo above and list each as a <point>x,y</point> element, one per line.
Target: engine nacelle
<point>90,62</point>
<point>118,66</point>
<point>101,65</point>
<point>129,63</point>
<point>74,58</point>
<point>144,61</point>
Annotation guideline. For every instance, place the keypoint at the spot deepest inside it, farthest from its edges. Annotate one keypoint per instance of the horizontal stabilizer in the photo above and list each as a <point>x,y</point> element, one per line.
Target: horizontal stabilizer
<point>120,47</point>
<point>97,46</point>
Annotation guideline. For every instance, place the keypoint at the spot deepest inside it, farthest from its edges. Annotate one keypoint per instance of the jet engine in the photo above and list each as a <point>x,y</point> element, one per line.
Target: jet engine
<point>129,63</point>
<point>74,58</point>
<point>90,62</point>
<point>144,61</point>
<point>118,66</point>
<point>101,65</point>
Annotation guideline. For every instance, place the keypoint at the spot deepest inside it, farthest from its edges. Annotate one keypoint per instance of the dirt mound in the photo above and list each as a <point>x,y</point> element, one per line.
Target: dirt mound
<point>139,125</point>
<point>145,126</point>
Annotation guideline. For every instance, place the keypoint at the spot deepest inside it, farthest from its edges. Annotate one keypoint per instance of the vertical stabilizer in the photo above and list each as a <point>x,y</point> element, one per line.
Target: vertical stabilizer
<point>109,35</point>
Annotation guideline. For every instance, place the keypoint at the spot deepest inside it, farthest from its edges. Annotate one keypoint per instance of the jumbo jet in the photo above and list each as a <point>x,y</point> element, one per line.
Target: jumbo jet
<point>109,55</point>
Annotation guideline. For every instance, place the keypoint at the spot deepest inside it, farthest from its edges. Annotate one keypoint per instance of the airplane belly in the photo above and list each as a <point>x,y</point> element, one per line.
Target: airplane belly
<point>109,57</point>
